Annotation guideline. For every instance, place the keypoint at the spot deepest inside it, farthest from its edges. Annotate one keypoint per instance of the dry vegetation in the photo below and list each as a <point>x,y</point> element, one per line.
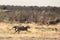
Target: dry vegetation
<point>44,22</point>
<point>22,14</point>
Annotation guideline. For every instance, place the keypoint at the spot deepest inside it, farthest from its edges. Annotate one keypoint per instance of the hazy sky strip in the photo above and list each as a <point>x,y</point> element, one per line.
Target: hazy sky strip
<point>31,2</point>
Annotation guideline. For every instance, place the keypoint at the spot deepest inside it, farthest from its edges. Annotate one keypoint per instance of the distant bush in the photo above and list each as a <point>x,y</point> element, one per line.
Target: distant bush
<point>29,14</point>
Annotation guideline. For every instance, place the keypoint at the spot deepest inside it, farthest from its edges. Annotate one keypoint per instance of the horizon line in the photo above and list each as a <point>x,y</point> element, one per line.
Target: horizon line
<point>31,5</point>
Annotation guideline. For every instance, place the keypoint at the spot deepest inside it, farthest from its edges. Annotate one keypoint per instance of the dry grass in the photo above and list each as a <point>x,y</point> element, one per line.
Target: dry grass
<point>37,31</point>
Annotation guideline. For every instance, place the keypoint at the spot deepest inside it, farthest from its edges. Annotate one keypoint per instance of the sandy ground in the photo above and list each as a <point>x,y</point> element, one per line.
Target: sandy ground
<point>37,32</point>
